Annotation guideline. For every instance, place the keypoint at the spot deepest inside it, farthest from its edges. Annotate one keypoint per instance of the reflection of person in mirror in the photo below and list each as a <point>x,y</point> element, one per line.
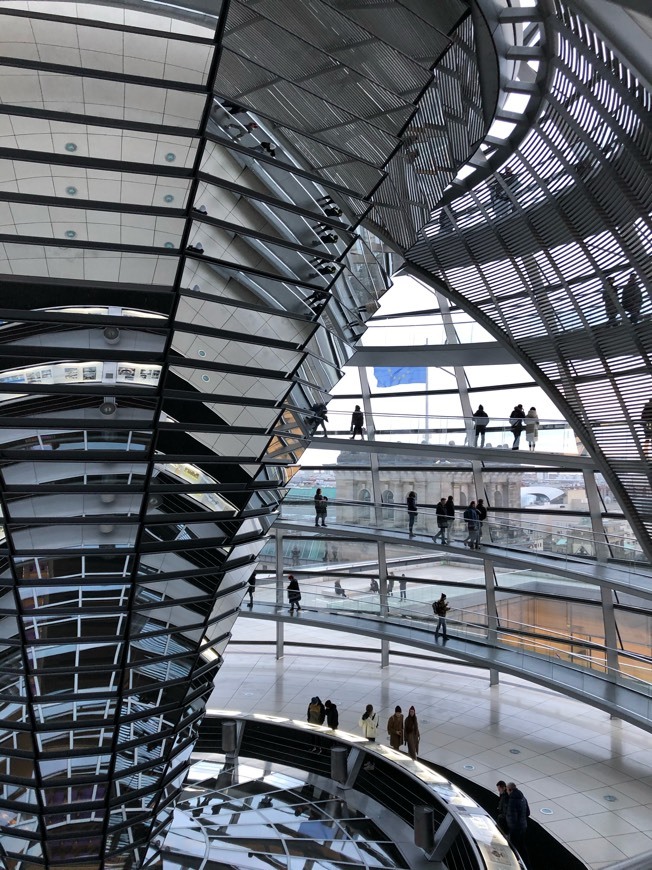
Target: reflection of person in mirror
<point>646,419</point>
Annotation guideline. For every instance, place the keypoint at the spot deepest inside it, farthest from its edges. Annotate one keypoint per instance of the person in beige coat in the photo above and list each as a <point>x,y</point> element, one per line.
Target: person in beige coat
<point>411,727</point>
<point>395,729</point>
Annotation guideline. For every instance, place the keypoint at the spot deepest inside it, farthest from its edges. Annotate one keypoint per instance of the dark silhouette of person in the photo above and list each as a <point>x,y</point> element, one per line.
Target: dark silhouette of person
<point>412,511</point>
<point>442,522</point>
<point>321,510</point>
<point>501,810</point>
<point>610,299</point>
<point>646,419</point>
<point>441,608</point>
<point>320,417</point>
<point>480,422</point>
<point>251,589</point>
<point>516,424</point>
<point>357,422</point>
<point>332,715</point>
<point>632,298</point>
<point>294,593</point>
<point>482,516</point>
<point>518,813</point>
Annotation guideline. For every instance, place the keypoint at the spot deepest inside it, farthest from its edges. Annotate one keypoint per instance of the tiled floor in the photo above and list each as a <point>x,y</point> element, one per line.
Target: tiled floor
<point>570,756</point>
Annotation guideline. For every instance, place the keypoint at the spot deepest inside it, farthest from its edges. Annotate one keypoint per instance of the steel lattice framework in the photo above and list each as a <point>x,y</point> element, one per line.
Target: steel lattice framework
<point>182,283</point>
<point>551,252</point>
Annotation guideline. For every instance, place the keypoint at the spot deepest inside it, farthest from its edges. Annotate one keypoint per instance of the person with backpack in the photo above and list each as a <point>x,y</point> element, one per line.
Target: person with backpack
<point>472,527</point>
<point>441,608</point>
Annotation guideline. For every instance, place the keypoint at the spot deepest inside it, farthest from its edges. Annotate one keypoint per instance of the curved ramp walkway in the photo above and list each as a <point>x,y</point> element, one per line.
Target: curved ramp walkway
<point>619,696</point>
<point>497,455</point>
<point>632,579</point>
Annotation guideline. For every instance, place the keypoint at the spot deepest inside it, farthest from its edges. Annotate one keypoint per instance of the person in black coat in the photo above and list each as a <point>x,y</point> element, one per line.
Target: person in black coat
<point>480,421</point>
<point>294,593</point>
<point>501,810</point>
<point>332,716</point>
<point>321,510</point>
<point>442,522</point>
<point>516,424</point>
<point>482,516</point>
<point>450,517</point>
<point>412,511</point>
<point>518,813</point>
<point>320,417</point>
<point>357,422</point>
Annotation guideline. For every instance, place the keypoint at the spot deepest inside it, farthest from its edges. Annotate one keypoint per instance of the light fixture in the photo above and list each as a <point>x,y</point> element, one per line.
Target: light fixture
<point>71,191</point>
<point>108,407</point>
<point>70,146</point>
<point>170,157</point>
<point>168,245</point>
<point>111,334</point>
<point>168,198</point>
<point>71,234</point>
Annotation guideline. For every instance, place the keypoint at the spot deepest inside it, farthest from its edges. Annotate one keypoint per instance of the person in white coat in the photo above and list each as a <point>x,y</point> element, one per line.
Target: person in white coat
<point>369,723</point>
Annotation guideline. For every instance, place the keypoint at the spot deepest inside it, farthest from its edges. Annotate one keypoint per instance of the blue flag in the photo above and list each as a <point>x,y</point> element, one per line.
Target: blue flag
<point>393,377</point>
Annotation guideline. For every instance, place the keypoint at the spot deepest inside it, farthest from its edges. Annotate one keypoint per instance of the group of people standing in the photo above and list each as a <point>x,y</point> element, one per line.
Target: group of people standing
<point>519,422</point>
<point>400,729</point>
<point>512,812</point>
<point>474,516</point>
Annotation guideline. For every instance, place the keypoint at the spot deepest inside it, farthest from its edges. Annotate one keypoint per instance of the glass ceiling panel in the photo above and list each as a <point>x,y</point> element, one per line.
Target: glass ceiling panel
<point>114,51</point>
<point>78,263</point>
<point>106,143</point>
<point>99,185</point>
<point>116,228</point>
<point>186,22</point>
<point>81,95</point>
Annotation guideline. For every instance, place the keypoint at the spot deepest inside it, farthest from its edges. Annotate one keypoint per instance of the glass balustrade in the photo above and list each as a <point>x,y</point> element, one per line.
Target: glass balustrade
<point>569,537</point>
<point>563,653</point>
<point>552,436</point>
